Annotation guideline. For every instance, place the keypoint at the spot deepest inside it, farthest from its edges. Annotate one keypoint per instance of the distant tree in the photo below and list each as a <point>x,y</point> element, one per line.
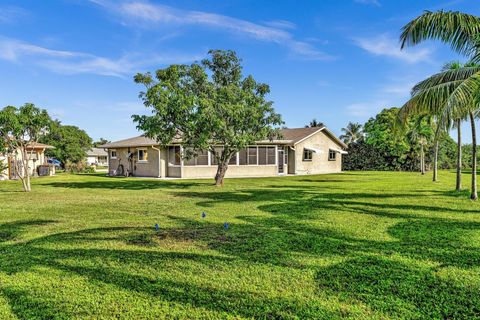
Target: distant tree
<point>209,104</point>
<point>70,142</point>
<point>381,132</point>
<point>419,134</point>
<point>364,157</point>
<point>21,128</point>
<point>352,133</point>
<point>100,142</point>
<point>314,123</point>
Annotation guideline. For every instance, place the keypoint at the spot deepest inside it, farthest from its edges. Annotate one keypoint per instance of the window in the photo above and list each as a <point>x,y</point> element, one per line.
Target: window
<point>286,155</point>
<point>113,154</point>
<point>233,159</point>
<point>307,155</point>
<point>142,155</point>
<point>174,157</point>
<point>242,157</point>
<point>332,155</point>
<point>262,155</point>
<point>201,159</point>
<point>271,155</point>
<point>252,155</point>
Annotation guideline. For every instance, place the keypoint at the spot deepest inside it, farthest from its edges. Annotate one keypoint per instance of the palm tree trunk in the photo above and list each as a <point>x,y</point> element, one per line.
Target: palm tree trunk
<point>459,157</point>
<point>422,160</point>
<point>474,195</point>
<point>435,162</point>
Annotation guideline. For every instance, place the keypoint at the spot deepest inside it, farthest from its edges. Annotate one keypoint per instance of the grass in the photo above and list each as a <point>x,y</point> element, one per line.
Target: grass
<point>354,245</point>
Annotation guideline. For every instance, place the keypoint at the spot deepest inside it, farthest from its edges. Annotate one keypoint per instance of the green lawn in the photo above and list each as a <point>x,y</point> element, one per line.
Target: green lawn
<point>354,245</point>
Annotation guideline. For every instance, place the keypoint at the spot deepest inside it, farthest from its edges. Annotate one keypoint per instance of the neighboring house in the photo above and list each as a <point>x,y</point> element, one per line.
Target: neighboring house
<point>300,151</point>
<point>97,156</point>
<point>36,153</point>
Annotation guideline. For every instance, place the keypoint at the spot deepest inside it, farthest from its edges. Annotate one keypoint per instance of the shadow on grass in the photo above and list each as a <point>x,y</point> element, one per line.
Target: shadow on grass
<point>370,274</point>
<point>127,184</point>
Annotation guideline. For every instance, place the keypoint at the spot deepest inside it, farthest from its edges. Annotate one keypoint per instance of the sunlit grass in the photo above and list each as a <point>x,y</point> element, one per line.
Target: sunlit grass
<point>382,245</point>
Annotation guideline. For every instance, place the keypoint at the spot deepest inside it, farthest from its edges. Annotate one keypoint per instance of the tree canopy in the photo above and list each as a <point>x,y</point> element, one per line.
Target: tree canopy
<point>70,142</point>
<point>207,104</point>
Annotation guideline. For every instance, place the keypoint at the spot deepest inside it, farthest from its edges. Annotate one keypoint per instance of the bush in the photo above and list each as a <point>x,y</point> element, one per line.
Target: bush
<point>78,167</point>
<point>364,156</point>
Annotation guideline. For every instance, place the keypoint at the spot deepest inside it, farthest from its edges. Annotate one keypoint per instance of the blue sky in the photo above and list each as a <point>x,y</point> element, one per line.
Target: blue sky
<point>336,61</point>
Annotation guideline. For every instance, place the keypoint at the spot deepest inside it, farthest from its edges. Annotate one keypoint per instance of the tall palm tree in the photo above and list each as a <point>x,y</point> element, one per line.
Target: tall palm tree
<point>421,106</point>
<point>353,132</point>
<point>460,31</point>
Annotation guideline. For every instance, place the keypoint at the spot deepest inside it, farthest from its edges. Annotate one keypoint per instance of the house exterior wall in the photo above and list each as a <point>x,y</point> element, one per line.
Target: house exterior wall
<point>232,171</point>
<point>37,159</point>
<point>158,164</point>
<point>320,162</point>
<point>149,168</point>
<point>97,160</point>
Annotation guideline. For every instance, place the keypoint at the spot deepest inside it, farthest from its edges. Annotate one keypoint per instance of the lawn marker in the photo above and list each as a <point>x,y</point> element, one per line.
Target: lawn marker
<point>156,226</point>
<point>226,225</point>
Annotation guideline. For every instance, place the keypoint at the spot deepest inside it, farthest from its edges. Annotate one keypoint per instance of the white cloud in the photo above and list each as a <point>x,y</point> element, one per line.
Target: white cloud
<point>384,45</point>
<point>363,110</point>
<point>368,2</point>
<point>152,15</point>
<point>72,62</point>
<point>281,24</point>
<point>9,14</point>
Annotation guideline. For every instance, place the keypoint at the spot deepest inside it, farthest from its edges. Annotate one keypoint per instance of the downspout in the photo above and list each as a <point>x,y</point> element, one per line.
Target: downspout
<point>159,162</point>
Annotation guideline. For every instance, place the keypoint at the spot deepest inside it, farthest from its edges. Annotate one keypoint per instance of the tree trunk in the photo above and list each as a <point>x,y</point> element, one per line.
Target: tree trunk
<point>25,172</point>
<point>435,162</point>
<point>459,157</point>
<point>474,195</point>
<point>221,170</point>
<point>422,160</point>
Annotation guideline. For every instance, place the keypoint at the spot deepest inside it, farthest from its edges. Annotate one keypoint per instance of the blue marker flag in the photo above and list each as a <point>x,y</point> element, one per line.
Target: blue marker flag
<point>156,226</point>
<point>226,225</point>
<point>204,214</point>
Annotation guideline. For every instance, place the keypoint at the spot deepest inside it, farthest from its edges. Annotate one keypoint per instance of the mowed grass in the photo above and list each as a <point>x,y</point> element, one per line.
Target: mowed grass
<point>379,245</point>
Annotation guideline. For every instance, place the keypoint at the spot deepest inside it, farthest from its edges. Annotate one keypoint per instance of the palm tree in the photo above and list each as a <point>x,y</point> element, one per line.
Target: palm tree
<point>353,132</point>
<point>420,105</point>
<point>460,96</point>
<point>314,123</point>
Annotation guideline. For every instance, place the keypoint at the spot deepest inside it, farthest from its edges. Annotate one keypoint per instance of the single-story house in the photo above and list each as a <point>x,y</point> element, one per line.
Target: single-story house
<point>97,157</point>
<point>300,151</point>
<point>37,165</point>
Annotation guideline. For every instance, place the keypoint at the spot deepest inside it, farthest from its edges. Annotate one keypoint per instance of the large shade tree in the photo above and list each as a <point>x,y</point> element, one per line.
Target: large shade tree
<point>207,104</point>
<point>20,130</point>
<point>460,31</point>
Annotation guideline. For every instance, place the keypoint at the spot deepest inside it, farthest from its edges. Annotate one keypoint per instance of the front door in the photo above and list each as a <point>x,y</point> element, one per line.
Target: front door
<point>281,161</point>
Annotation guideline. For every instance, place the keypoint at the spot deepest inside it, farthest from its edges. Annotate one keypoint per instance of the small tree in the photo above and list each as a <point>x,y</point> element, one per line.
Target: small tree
<point>209,104</point>
<point>20,129</point>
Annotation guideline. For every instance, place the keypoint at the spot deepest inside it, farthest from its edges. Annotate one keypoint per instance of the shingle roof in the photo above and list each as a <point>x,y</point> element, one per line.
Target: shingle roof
<point>38,145</point>
<point>140,141</point>
<point>289,136</point>
<point>97,152</point>
<point>297,134</point>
